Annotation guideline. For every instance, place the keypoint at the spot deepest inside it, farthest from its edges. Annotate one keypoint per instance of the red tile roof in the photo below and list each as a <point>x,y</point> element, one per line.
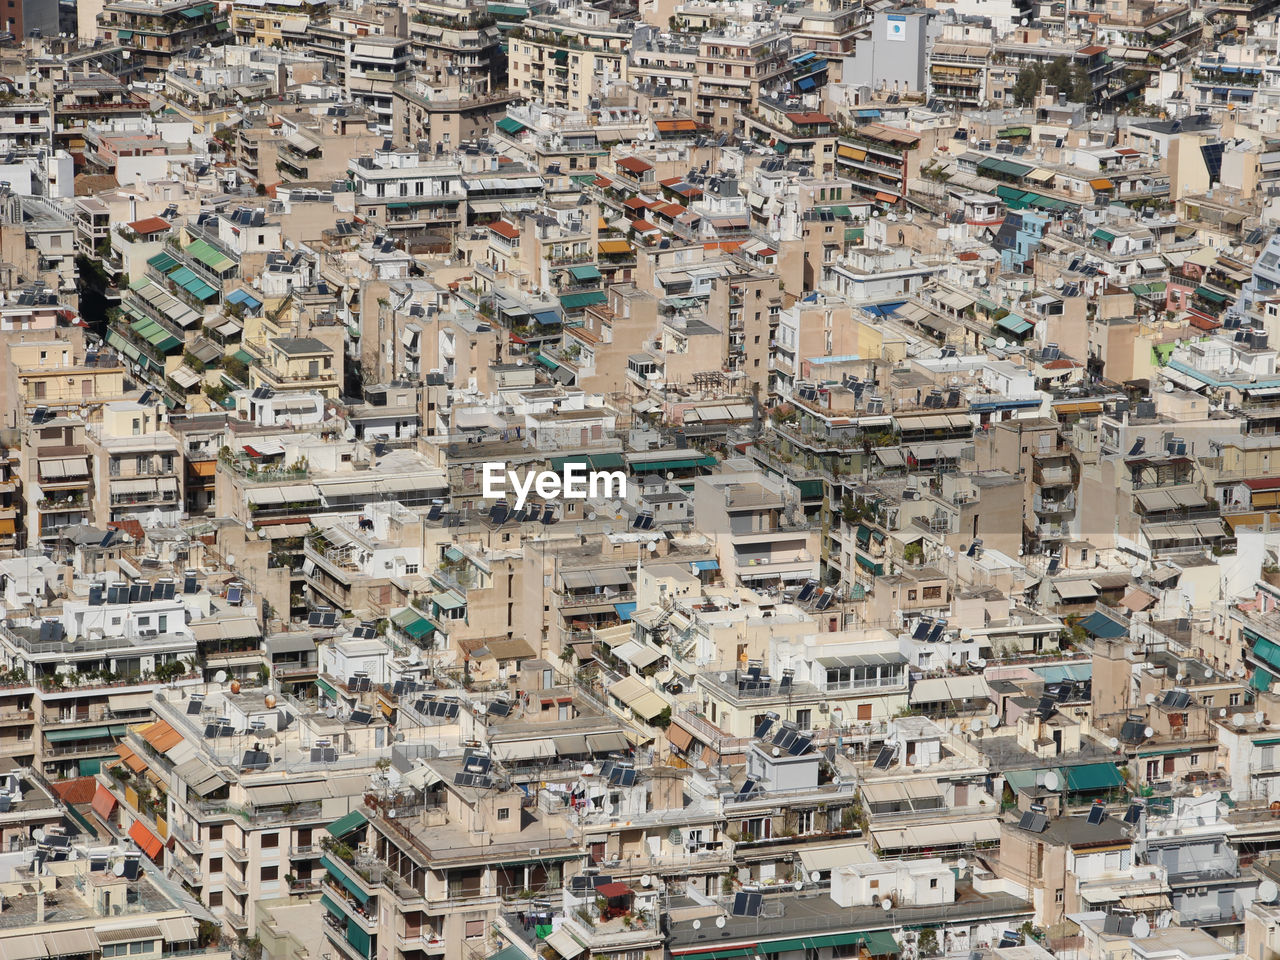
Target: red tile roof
<point>1091,51</point>
<point>1263,483</point>
<point>634,165</point>
<point>644,226</point>
<point>77,791</point>
<point>150,225</point>
<point>967,256</point>
<point>804,119</point>
<point>504,229</point>
<point>636,203</point>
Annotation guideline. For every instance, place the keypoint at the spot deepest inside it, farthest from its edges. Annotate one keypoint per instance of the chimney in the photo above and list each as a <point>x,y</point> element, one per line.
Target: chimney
<point>40,905</point>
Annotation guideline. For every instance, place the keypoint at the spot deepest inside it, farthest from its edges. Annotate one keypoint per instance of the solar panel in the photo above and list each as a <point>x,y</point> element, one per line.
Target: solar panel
<point>1176,699</point>
<point>885,759</point>
<point>535,511</point>
<point>477,763</point>
<point>1054,563</point>
<point>1034,822</point>
<point>255,760</point>
<point>801,746</point>
<point>1133,814</point>
<point>1046,707</point>
<point>747,904</point>
<point>785,685</point>
<point>762,728</point>
<point>194,706</point>
<point>328,619</point>
<point>211,730</point>
<point>189,585</point>
<point>95,596</point>
<point>936,633</point>
<point>806,591</point>
<point>824,601</point>
<point>499,708</point>
<point>234,596</point>
<point>398,688</point>
<point>748,787</point>
<point>499,512</point>
<point>1097,813</point>
<point>434,512</point>
<point>922,629</point>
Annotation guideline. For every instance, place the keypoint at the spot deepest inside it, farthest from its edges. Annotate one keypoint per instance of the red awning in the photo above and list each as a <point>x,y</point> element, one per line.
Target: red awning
<point>611,891</point>
<point>104,804</point>
<point>145,839</point>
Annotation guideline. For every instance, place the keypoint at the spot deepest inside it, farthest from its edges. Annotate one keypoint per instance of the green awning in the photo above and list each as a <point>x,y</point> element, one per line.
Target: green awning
<point>866,563</point>
<point>454,555</point>
<point>168,344</point>
<point>684,463</point>
<point>124,34</point>
<point>510,124</point>
<point>195,13</point>
<point>1211,295</point>
<point>1165,752</point>
<point>1093,776</point>
<point>337,874</point>
<point>863,534</point>
<point>84,733</point>
<point>348,824</point>
<point>243,356</point>
<point>576,301</point>
<point>448,600</point>
<point>560,56</point>
<point>1104,235</point>
<point>507,10</point>
<point>183,276</point>
<point>1267,651</point>
<point>1008,132</point>
<point>330,905</point>
<point>327,689</point>
<point>594,461</point>
<point>397,206</point>
<point>116,339</point>
<point>1260,680</point>
<point>842,213</point>
<point>1015,325</point>
<point>880,943</point>
<point>162,262</point>
<point>584,274</point>
<point>419,628</point>
<point>546,361</point>
<point>210,256</point>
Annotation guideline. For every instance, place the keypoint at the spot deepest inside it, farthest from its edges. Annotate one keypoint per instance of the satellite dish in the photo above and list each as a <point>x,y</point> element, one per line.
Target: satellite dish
<point>1268,891</point>
<point>815,876</point>
<point>697,924</point>
<point>482,708</point>
<point>975,725</point>
<point>777,752</point>
<point>37,835</point>
<point>911,760</point>
<point>646,881</point>
<point>1208,673</point>
<point>798,886</point>
<point>1114,743</point>
<point>724,677</point>
<point>993,721</point>
<point>1168,386</point>
<point>1148,732</point>
<point>886,904</point>
<point>1051,781</point>
<point>1001,343</point>
<point>962,863</point>
<point>118,868</point>
<point>1239,720</point>
<point>1150,698</point>
<point>720,921</point>
<point>588,769</point>
<point>220,677</point>
<point>1222,711</point>
<point>1141,928</point>
<point>1136,570</point>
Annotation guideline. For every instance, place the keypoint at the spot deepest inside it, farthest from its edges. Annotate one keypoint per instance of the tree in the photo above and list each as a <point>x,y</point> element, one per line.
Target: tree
<point>1027,85</point>
<point>1081,85</point>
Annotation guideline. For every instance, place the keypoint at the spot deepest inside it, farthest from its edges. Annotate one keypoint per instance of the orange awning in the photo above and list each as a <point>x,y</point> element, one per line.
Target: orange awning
<point>162,736</point>
<point>131,759</point>
<point>144,838</point>
<point>104,804</point>
<point>680,737</point>
<point>886,198</point>
<point>1102,183</point>
<point>614,246</point>
<point>203,468</point>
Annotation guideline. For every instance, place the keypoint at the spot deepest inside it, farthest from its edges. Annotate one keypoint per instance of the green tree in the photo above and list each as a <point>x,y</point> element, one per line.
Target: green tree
<point>1027,85</point>
<point>1081,85</point>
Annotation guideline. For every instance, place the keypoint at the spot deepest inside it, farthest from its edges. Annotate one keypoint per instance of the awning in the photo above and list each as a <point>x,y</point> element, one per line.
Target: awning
<point>925,836</point>
<point>562,943</point>
<point>104,803</point>
<point>677,736</point>
<point>337,873</point>
<point>1102,183</point>
<point>642,701</point>
<point>576,301</point>
<point>524,749</point>
<point>348,824</point>
<point>1075,589</point>
<point>584,274</point>
<point>179,930</point>
<point>510,125</point>
<point>944,689</point>
<point>1099,625</point>
<point>147,841</point>
<point>1093,776</point>
<point>826,857</point>
<point>71,943</point>
<point>601,743</point>
<point>624,611</point>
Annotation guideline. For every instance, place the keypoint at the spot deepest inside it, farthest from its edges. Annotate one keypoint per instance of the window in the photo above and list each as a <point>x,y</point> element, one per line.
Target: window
<point>270,873</point>
<point>933,884</point>
<point>1194,760</point>
<point>38,389</point>
<point>1060,896</point>
<point>270,841</point>
<point>804,719</point>
<point>475,928</point>
<point>215,832</point>
<point>162,623</point>
<point>504,813</point>
<point>1234,700</point>
<point>215,864</point>
<point>911,594</point>
<point>932,593</point>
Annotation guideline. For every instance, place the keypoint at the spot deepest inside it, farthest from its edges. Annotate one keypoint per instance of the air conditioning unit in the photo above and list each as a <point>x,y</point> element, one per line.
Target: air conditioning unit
<point>535,851</point>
